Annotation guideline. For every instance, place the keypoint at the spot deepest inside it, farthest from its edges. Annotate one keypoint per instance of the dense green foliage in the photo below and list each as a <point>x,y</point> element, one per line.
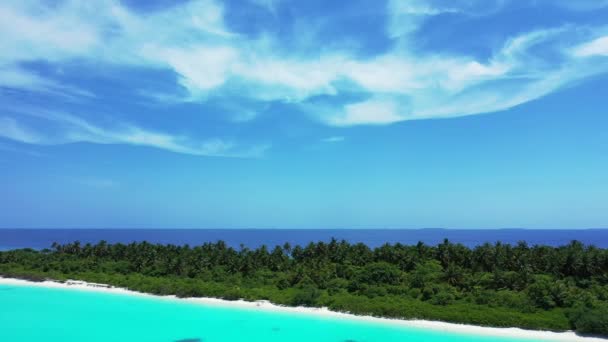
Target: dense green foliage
<point>536,287</point>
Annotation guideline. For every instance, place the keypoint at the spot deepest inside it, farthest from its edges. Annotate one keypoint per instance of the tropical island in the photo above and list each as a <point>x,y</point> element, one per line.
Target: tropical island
<point>499,285</point>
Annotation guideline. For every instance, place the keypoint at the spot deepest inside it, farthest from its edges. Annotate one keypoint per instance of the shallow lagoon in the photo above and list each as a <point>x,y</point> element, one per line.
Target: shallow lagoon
<point>29,314</point>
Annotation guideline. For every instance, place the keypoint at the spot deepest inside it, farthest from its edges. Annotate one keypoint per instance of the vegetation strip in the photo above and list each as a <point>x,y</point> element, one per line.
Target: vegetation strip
<point>538,287</point>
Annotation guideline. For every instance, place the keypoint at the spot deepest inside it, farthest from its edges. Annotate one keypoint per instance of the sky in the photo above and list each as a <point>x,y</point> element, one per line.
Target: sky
<point>304,114</point>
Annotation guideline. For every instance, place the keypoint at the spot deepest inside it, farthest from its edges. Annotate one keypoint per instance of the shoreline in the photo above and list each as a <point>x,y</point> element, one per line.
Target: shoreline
<point>263,305</point>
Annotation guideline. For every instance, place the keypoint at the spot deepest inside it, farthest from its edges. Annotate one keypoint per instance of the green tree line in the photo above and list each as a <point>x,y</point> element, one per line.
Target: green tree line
<point>538,287</point>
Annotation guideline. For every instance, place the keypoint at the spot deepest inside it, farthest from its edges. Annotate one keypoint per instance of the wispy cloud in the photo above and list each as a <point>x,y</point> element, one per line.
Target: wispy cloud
<point>333,139</point>
<point>12,76</point>
<point>596,47</point>
<point>374,111</point>
<point>407,87</point>
<point>72,129</point>
<point>11,129</point>
<point>211,62</point>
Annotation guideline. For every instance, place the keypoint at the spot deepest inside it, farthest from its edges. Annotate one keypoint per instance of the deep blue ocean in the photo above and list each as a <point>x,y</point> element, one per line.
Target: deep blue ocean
<point>43,238</point>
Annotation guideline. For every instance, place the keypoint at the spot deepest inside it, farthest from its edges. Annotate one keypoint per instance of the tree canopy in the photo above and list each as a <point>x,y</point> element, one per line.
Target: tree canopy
<point>497,284</point>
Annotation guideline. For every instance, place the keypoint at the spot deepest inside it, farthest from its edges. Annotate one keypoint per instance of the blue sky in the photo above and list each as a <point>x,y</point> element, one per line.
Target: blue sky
<point>304,114</point>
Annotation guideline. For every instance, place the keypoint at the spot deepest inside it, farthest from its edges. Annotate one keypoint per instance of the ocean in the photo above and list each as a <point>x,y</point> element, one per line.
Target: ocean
<point>32,314</point>
<point>43,238</point>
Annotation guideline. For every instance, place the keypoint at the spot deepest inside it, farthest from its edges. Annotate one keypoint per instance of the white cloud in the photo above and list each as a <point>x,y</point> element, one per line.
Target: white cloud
<point>16,77</point>
<point>387,73</point>
<point>193,40</point>
<point>32,31</point>
<point>11,129</point>
<point>72,129</point>
<point>596,47</point>
<point>106,31</point>
<point>460,76</point>
<point>368,112</point>
<point>334,139</point>
<point>409,87</point>
<point>289,79</point>
<point>406,16</point>
<point>216,62</point>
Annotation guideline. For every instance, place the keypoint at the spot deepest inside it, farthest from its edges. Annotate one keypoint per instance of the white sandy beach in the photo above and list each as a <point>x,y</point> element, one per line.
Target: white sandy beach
<point>267,306</point>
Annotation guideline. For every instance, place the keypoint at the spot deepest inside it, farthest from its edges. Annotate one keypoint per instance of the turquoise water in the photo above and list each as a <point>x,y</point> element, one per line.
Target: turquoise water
<point>30,314</point>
